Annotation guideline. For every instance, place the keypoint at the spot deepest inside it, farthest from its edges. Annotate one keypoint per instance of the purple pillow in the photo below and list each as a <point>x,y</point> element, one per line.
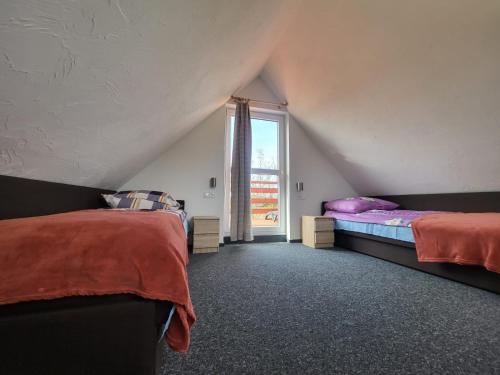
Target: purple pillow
<point>359,204</point>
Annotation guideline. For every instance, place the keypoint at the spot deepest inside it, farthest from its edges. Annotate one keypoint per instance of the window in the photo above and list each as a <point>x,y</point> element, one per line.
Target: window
<point>268,185</point>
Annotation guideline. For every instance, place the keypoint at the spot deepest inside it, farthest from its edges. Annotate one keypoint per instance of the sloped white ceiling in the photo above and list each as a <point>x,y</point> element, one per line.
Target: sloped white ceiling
<point>404,96</point>
<point>91,91</point>
<point>401,95</point>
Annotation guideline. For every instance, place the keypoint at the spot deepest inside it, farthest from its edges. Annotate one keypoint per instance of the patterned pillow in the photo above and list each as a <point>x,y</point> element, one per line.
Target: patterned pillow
<point>133,203</point>
<point>154,196</point>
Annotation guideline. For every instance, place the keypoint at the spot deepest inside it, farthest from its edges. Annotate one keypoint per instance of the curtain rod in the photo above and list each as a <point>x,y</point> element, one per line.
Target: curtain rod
<point>282,104</point>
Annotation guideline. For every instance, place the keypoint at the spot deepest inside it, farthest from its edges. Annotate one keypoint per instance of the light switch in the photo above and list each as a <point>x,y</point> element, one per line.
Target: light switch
<point>209,195</point>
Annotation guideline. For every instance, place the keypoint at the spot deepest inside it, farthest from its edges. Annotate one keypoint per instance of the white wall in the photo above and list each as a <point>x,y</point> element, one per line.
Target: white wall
<point>258,89</point>
<point>321,179</point>
<point>185,168</point>
<point>402,95</point>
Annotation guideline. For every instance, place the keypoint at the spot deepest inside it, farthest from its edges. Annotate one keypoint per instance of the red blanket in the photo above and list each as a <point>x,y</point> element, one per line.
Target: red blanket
<point>98,252</point>
<point>471,239</point>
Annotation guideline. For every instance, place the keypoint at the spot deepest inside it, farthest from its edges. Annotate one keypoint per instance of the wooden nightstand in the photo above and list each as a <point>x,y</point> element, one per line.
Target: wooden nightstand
<point>205,234</point>
<point>317,231</point>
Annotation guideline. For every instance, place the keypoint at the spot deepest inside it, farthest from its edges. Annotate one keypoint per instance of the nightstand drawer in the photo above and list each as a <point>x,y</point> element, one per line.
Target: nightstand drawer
<point>201,241</point>
<point>206,250</point>
<point>324,237</point>
<point>323,225</point>
<point>206,226</point>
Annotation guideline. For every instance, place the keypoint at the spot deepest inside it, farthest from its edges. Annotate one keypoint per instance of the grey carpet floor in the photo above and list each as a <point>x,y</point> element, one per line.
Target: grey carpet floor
<point>287,309</point>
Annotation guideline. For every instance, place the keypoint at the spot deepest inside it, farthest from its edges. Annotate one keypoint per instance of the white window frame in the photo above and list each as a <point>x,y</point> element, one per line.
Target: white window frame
<point>264,114</point>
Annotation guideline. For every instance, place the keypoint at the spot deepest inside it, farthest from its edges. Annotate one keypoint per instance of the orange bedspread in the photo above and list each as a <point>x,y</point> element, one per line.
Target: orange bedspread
<point>98,252</point>
<point>470,239</point>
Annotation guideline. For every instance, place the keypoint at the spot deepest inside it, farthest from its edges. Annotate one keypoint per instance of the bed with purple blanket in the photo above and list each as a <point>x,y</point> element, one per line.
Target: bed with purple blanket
<point>387,233</point>
<point>395,224</point>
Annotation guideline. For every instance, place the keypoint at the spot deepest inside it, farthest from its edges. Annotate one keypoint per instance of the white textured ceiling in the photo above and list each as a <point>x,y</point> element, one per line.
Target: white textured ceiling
<point>404,96</point>
<point>91,91</point>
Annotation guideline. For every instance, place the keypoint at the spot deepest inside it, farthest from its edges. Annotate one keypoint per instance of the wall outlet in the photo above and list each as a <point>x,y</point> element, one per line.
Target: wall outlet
<point>209,195</point>
<point>301,196</point>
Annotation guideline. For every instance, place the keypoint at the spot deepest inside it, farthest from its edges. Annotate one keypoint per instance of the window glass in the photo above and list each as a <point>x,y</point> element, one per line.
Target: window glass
<point>264,143</point>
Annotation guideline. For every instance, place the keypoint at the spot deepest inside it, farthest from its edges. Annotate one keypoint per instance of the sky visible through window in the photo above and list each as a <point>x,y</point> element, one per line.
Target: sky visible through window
<point>264,143</point>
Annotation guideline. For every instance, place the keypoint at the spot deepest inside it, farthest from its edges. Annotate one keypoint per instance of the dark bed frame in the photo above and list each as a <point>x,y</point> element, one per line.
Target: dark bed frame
<point>404,253</point>
<point>117,334</point>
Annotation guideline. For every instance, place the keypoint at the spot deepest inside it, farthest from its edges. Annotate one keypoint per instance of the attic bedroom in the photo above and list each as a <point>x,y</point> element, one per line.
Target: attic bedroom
<point>249,187</point>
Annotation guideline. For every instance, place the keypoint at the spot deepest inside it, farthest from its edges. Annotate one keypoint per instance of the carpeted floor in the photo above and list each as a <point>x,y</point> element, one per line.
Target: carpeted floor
<point>284,308</point>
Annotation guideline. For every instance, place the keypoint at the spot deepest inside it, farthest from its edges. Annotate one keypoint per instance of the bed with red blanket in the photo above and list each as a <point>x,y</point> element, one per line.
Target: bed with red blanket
<point>461,238</point>
<point>134,259</point>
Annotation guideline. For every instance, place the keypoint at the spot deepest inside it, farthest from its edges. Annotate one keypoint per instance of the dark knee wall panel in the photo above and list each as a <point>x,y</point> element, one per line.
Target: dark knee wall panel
<point>21,197</point>
<point>462,202</point>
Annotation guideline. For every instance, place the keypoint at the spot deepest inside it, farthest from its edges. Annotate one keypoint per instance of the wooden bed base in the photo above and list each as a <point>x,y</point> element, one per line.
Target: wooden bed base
<point>116,334</point>
<point>404,253</point>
